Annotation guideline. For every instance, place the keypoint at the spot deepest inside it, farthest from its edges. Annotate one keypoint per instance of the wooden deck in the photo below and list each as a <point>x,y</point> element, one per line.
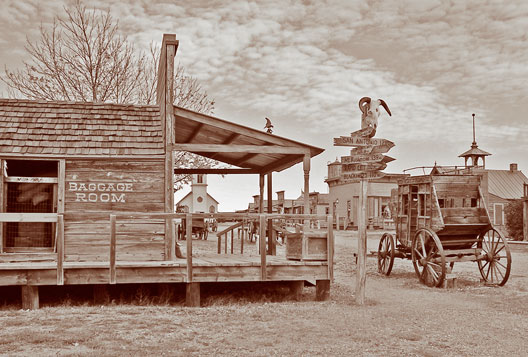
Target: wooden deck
<point>205,268</point>
<point>247,261</point>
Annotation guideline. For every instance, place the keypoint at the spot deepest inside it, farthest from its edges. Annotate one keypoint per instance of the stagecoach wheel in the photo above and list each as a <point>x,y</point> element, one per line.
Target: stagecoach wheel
<point>428,258</point>
<point>386,249</point>
<point>496,265</point>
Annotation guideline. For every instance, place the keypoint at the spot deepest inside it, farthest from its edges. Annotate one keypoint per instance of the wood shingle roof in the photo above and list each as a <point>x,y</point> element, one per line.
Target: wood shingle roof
<point>75,128</point>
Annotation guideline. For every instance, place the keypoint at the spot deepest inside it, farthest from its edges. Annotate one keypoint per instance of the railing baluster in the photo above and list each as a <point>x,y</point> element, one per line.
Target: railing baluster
<point>262,245</point>
<point>188,218</point>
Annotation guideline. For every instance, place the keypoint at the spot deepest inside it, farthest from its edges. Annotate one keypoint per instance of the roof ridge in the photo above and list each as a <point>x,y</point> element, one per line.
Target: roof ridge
<point>72,103</point>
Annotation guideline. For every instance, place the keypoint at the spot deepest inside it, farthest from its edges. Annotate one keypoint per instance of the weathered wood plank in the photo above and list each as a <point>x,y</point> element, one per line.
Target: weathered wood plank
<point>16,179</point>
<point>30,297</point>
<point>112,272</point>
<point>258,149</point>
<point>192,294</point>
<point>28,217</point>
<point>115,165</point>
<point>60,250</point>
<point>330,243</point>
<point>322,290</point>
<point>188,230</point>
<point>262,242</point>
<point>146,206</point>
<point>151,275</point>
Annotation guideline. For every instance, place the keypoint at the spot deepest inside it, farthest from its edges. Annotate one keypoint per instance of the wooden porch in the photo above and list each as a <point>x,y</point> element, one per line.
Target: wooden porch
<point>202,262</point>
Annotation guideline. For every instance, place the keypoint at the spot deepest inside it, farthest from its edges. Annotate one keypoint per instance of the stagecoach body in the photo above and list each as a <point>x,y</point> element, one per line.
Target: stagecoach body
<point>441,219</point>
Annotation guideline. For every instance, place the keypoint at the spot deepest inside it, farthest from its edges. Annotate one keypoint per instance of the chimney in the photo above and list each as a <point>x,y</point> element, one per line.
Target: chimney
<point>513,167</point>
<point>256,199</point>
<point>165,86</point>
<point>280,196</point>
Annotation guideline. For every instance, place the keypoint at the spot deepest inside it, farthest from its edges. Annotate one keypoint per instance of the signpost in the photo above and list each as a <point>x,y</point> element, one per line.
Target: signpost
<point>365,162</point>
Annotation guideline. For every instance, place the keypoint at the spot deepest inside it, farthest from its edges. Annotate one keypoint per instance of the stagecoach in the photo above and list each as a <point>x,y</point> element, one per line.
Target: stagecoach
<point>441,219</point>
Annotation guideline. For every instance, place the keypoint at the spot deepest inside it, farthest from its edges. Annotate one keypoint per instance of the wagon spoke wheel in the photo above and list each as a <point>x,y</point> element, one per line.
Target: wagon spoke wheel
<point>386,249</point>
<point>428,257</point>
<point>495,264</point>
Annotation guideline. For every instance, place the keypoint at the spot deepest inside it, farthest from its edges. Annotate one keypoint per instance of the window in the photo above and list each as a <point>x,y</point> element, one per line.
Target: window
<point>199,179</point>
<point>421,204</point>
<point>30,187</point>
<point>498,214</point>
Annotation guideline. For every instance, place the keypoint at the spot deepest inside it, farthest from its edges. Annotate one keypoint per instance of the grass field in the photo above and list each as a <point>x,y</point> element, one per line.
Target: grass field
<point>401,317</point>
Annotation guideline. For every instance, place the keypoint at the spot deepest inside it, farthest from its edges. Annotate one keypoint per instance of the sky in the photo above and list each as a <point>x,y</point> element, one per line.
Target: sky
<point>306,64</point>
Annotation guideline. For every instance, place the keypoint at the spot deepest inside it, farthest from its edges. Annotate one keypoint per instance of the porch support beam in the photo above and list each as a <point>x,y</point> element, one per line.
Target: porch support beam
<point>258,149</point>
<point>178,171</point>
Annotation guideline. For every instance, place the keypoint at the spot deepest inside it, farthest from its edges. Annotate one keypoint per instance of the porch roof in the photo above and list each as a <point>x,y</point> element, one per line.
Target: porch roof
<point>236,144</point>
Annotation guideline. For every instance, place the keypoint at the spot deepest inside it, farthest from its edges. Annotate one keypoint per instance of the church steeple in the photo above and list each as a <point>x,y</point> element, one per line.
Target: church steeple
<point>474,153</point>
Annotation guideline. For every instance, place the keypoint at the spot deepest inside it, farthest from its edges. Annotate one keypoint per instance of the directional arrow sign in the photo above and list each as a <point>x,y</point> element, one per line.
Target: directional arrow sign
<point>364,150</point>
<point>360,159</point>
<point>361,141</point>
<point>371,175</point>
<point>356,168</point>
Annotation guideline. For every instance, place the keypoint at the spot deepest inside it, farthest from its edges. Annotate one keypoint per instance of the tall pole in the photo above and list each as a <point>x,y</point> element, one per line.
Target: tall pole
<point>474,129</point>
<point>361,272</point>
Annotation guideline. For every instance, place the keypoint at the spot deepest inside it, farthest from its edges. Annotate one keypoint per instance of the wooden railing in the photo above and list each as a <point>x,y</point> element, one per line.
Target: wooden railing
<point>56,218</point>
<point>262,219</point>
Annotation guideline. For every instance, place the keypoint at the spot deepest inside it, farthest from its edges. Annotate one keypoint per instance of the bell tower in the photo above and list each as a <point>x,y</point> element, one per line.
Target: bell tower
<point>474,154</point>
<point>199,193</point>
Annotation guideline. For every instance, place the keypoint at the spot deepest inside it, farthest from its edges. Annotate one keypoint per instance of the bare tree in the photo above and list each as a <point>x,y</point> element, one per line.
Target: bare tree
<point>84,58</point>
<point>188,93</point>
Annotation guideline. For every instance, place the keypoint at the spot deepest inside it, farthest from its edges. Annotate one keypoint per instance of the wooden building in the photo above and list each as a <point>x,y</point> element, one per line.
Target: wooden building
<point>343,197</point>
<point>198,199</point>
<point>87,193</point>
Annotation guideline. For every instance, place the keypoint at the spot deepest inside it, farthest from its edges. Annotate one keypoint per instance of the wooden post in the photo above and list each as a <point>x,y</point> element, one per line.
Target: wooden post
<point>172,239</point>
<point>306,169</point>
<point>322,290</point>
<point>192,294</point>
<point>232,241</point>
<point>112,270</point>
<point>242,238</point>
<point>362,243</point>
<point>525,212</point>
<point>165,100</point>
<point>60,249</point>
<point>525,220</point>
<point>296,289</point>
<point>2,200</point>
<point>100,294</point>
<point>262,245</point>
<point>30,297</point>
<point>330,248</point>
<point>188,241</point>
<point>261,193</point>
<point>271,242</point>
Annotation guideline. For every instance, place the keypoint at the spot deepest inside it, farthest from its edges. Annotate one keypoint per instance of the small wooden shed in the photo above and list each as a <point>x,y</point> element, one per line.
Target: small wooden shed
<point>67,168</point>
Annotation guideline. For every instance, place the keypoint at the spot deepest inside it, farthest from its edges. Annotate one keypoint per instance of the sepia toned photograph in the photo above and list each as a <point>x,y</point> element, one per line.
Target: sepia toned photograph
<point>263,178</point>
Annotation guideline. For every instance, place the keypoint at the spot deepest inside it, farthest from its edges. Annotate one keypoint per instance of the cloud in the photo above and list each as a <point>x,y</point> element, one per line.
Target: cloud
<point>307,63</point>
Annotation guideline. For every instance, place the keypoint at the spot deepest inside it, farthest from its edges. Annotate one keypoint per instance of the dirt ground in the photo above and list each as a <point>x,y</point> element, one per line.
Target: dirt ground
<point>400,317</point>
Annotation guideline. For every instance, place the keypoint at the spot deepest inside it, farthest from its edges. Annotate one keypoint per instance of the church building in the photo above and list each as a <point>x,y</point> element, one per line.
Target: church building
<point>198,200</point>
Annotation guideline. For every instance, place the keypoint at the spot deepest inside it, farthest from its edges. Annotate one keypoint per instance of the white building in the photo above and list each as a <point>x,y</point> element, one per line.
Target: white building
<point>198,200</point>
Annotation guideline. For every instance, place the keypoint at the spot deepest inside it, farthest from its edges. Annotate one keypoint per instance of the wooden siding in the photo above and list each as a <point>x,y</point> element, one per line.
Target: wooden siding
<point>109,187</point>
